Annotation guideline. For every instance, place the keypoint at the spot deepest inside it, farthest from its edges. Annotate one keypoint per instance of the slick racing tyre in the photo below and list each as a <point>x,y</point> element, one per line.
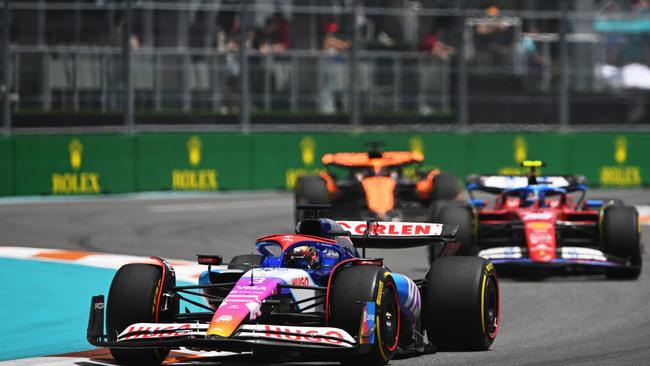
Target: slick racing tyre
<point>351,289</point>
<point>455,213</point>
<point>309,189</point>
<point>133,298</point>
<point>446,186</point>
<point>620,236</point>
<point>245,261</point>
<point>461,304</point>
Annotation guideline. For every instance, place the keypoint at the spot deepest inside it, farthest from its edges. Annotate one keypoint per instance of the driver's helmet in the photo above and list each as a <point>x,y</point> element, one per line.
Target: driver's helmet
<point>304,257</point>
<point>528,199</point>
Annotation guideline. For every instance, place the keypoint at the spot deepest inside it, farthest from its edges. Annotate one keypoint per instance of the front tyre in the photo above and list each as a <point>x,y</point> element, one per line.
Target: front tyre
<point>133,298</point>
<point>461,304</point>
<point>620,236</point>
<point>354,286</point>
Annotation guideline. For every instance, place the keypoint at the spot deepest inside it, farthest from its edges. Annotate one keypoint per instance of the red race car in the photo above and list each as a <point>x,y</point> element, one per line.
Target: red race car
<point>543,225</point>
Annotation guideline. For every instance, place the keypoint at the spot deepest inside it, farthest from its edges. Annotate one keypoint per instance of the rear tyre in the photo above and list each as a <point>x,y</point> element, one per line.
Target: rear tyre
<point>133,298</point>
<point>309,189</point>
<point>461,304</point>
<point>354,286</point>
<point>446,186</point>
<point>245,261</point>
<point>620,235</point>
<point>455,213</point>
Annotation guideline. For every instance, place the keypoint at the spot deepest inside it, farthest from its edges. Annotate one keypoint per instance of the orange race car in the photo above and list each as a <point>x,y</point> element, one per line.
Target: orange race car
<point>386,185</point>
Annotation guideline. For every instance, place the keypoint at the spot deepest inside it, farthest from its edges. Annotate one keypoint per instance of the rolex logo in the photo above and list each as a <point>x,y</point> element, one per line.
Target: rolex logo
<point>307,147</point>
<point>521,149</point>
<point>620,149</point>
<point>194,146</point>
<point>76,150</point>
<point>417,145</point>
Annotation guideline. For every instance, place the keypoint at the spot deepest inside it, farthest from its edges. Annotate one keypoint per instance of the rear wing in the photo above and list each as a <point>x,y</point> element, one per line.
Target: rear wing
<point>500,183</point>
<point>371,160</point>
<point>386,235</point>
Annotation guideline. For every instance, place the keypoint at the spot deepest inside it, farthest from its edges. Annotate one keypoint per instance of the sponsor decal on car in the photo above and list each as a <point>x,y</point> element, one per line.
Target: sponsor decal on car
<point>319,335</point>
<point>224,318</point>
<point>300,281</point>
<point>157,330</point>
<point>367,334</point>
<point>393,228</point>
<point>529,216</point>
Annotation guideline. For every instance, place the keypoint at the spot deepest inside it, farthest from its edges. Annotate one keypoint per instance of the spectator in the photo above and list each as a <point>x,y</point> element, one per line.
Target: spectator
<point>533,57</point>
<point>332,90</point>
<point>276,34</point>
<point>494,39</point>
<point>433,43</point>
<point>331,42</point>
<point>433,74</point>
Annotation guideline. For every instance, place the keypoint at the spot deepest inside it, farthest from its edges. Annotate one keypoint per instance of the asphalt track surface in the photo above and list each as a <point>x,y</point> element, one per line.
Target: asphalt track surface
<point>557,321</point>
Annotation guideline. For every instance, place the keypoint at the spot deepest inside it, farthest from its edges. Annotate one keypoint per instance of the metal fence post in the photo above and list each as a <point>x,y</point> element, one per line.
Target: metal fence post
<point>462,73</point>
<point>564,70</point>
<point>127,61</point>
<point>244,97</point>
<point>354,67</point>
<point>6,75</point>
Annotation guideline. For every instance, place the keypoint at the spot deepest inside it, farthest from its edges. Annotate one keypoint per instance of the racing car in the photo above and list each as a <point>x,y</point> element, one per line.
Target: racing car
<point>308,292</point>
<point>543,225</point>
<point>387,185</point>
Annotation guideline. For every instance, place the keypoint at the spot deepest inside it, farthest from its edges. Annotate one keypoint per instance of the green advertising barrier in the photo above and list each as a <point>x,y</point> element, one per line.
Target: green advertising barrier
<point>6,167</point>
<point>502,153</point>
<point>85,164</point>
<point>92,164</point>
<point>278,159</point>
<point>612,160</point>
<point>193,162</point>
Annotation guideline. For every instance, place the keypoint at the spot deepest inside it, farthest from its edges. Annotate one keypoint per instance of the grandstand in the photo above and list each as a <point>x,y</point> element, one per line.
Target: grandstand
<point>542,64</point>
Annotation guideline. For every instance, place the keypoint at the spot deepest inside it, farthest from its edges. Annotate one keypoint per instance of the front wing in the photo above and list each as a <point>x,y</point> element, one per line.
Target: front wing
<point>194,335</point>
<point>568,259</point>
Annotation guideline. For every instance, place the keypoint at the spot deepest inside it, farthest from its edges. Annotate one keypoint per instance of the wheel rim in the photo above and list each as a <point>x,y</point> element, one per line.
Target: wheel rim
<point>491,307</point>
<point>390,319</point>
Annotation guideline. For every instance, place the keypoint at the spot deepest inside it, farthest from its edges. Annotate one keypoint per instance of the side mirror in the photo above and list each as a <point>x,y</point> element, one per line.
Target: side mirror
<point>209,260</point>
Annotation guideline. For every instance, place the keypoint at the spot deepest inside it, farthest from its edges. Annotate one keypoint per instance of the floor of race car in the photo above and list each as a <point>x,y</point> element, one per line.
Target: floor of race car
<point>555,321</point>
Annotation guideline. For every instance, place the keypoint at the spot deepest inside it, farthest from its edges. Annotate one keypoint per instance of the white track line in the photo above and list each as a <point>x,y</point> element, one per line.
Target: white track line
<point>185,270</point>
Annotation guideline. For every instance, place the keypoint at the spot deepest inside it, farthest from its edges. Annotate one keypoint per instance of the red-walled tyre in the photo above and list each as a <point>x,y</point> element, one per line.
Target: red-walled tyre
<point>357,285</point>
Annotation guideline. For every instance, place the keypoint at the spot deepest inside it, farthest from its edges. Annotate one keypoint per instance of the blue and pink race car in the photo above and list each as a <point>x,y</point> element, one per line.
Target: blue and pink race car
<point>309,292</point>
